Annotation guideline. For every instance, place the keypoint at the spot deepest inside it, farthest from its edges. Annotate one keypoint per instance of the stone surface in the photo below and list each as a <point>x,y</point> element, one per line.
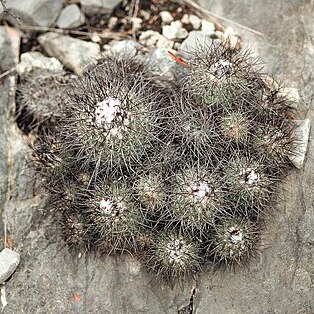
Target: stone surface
<point>34,59</point>
<point>71,16</point>
<point>9,260</point>
<point>72,52</point>
<point>99,6</point>
<point>35,12</point>
<point>279,281</point>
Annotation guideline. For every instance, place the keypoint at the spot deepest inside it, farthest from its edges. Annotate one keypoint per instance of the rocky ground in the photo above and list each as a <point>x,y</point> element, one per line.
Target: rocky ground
<point>49,278</point>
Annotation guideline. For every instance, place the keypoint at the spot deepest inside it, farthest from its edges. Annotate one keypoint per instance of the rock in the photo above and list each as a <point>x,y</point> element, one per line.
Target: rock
<point>195,21</point>
<point>160,63</point>
<point>35,59</point>
<point>291,94</point>
<point>99,6</point>
<point>72,52</point>
<point>113,21</point>
<point>302,134</point>
<point>129,47</point>
<point>35,12</point>
<point>195,40</point>
<point>9,260</point>
<point>163,66</point>
<point>149,38</point>
<point>71,16</point>
<point>136,23</point>
<point>208,28</point>
<point>174,31</point>
<point>166,17</point>
<point>163,42</point>
<point>185,19</point>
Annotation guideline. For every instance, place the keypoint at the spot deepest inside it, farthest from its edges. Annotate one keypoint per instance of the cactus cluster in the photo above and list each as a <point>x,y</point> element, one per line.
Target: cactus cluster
<point>183,173</point>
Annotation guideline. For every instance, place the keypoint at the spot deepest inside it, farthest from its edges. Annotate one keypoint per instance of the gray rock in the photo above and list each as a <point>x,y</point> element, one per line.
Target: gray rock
<point>72,52</point>
<point>9,260</point>
<point>99,6</point>
<point>195,40</point>
<point>174,31</point>
<point>35,12</point>
<point>302,134</point>
<point>166,17</point>
<point>34,59</point>
<point>71,16</point>
<point>163,66</point>
<point>129,47</point>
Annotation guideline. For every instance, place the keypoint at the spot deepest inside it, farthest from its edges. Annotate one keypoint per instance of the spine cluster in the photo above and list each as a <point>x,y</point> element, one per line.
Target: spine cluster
<point>181,174</point>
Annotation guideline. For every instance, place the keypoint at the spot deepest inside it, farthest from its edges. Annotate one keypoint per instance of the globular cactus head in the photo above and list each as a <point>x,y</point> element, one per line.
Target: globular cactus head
<point>173,256</point>
<point>112,117</point>
<point>233,241</point>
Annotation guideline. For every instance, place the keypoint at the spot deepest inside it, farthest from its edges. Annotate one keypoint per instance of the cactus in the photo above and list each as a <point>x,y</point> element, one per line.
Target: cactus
<point>233,241</point>
<point>180,174</point>
<point>173,256</point>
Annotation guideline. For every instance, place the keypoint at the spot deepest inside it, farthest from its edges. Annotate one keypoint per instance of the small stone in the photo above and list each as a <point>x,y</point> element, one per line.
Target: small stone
<point>195,21</point>
<point>174,31</point>
<point>185,19</point>
<point>149,38</point>
<point>72,52</point>
<point>302,134</point>
<point>71,16</point>
<point>9,260</point>
<point>33,59</point>
<point>208,28</point>
<point>99,6</point>
<point>129,47</point>
<point>163,42</point>
<point>112,23</point>
<point>161,64</point>
<point>195,40</point>
<point>229,31</point>
<point>166,17</point>
<point>35,12</point>
<point>145,15</point>
<point>136,23</point>
<point>292,95</point>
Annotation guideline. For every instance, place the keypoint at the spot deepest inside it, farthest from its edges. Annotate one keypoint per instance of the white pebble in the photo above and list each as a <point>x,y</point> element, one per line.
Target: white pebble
<point>208,28</point>
<point>174,31</point>
<point>195,21</point>
<point>185,19</point>
<point>166,17</point>
<point>113,21</point>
